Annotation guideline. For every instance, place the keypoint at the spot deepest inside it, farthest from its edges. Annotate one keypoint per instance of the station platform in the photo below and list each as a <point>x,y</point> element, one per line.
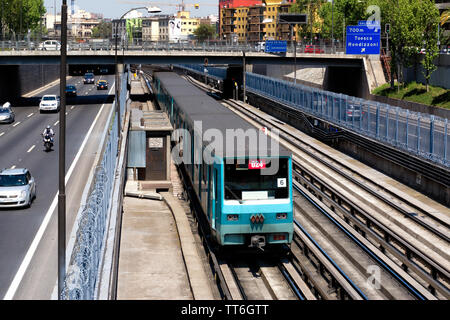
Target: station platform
<point>160,258</point>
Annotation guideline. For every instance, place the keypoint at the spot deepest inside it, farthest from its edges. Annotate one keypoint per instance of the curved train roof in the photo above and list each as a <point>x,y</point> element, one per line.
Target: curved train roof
<point>198,106</point>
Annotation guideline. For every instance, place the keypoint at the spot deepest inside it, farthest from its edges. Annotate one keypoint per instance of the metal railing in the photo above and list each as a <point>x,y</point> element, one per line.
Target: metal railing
<point>29,45</point>
<point>84,266</point>
<point>418,133</point>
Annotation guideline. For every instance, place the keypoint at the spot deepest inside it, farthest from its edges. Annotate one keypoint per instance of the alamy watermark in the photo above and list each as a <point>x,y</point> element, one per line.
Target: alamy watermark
<point>200,146</point>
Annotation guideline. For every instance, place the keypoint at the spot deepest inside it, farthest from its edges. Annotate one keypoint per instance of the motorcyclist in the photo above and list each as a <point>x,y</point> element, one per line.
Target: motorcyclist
<point>48,131</point>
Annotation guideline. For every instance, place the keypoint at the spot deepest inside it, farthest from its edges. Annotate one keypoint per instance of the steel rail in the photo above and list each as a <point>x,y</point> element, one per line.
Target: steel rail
<point>436,269</point>
<point>297,143</point>
<point>344,229</point>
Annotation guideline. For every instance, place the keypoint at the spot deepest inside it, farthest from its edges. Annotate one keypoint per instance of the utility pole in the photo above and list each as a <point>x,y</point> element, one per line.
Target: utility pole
<point>62,155</point>
<point>244,78</point>
<point>332,26</point>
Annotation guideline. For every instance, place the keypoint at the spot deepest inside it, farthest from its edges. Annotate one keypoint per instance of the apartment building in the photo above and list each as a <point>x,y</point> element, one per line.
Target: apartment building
<point>253,21</point>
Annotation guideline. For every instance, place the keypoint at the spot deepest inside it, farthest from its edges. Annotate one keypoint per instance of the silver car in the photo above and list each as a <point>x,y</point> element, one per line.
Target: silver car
<point>17,188</point>
<point>6,113</point>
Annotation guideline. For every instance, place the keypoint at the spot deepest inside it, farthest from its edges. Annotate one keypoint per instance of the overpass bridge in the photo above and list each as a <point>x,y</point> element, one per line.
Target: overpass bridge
<point>172,56</point>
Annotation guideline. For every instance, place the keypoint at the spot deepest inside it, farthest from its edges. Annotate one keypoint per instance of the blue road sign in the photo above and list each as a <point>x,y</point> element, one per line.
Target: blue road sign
<point>364,38</point>
<point>374,23</point>
<point>276,46</point>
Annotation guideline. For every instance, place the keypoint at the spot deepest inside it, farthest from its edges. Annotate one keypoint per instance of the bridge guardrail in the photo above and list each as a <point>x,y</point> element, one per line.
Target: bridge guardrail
<point>26,45</point>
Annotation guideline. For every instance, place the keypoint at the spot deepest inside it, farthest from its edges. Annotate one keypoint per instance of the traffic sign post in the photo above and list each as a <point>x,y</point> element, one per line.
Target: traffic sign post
<point>363,38</point>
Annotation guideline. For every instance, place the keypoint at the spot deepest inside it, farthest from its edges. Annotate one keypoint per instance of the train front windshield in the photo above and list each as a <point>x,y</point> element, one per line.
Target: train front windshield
<point>250,181</point>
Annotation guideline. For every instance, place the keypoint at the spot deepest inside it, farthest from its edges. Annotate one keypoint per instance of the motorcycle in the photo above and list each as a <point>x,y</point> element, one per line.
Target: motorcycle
<point>48,143</point>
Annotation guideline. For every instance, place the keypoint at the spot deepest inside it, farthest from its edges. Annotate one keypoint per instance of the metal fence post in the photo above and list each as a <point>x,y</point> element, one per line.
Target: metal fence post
<point>445,140</point>
<point>396,126</point>
<point>432,135</point>
<point>407,129</point>
<point>388,109</point>
<point>418,134</point>
<point>377,128</point>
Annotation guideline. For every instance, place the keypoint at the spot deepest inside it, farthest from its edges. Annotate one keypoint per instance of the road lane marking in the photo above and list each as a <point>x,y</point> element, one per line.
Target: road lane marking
<point>13,167</point>
<point>2,134</point>
<point>56,123</point>
<point>72,107</point>
<point>17,123</point>
<point>40,233</point>
<point>31,149</point>
<point>30,114</point>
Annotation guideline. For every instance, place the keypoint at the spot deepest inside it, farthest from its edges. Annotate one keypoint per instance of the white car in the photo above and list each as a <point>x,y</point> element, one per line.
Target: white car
<point>50,45</point>
<point>17,188</point>
<point>49,103</point>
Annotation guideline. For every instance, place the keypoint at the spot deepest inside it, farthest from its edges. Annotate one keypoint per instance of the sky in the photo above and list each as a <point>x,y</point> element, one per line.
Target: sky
<point>115,8</point>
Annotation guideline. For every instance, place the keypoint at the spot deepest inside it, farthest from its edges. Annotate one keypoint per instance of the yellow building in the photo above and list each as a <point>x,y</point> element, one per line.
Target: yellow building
<point>188,24</point>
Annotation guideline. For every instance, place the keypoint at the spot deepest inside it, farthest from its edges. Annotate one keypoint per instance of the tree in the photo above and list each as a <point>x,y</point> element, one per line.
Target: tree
<point>405,37</point>
<point>205,32</point>
<point>311,8</point>
<point>445,17</point>
<point>19,16</point>
<point>102,31</point>
<point>429,21</point>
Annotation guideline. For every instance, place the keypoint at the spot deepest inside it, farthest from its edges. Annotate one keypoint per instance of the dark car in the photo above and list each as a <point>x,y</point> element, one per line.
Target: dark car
<point>102,85</point>
<point>6,113</point>
<point>103,71</point>
<point>71,91</point>
<point>89,78</point>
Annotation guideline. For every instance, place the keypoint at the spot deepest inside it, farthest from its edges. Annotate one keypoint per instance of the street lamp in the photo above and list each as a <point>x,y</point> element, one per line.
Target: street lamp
<point>149,10</point>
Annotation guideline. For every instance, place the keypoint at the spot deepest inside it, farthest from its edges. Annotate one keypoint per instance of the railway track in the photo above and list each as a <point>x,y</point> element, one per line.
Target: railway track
<point>241,279</point>
<point>383,232</point>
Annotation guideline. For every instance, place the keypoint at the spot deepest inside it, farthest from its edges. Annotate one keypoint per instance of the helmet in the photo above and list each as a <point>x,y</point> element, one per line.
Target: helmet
<point>48,127</point>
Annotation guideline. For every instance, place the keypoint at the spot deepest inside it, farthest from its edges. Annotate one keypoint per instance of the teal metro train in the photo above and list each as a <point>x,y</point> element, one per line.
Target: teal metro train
<point>241,176</point>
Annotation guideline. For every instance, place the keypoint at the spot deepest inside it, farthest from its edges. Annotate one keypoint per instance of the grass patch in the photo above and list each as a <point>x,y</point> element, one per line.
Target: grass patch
<point>416,92</point>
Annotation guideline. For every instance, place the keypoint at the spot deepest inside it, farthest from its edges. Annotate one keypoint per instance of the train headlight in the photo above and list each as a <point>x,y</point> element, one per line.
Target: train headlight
<point>232,217</point>
<point>281,216</point>
<point>257,218</point>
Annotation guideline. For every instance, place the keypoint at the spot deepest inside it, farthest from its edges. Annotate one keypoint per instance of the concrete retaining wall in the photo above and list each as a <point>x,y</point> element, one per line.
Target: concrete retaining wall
<point>16,80</point>
<point>440,77</point>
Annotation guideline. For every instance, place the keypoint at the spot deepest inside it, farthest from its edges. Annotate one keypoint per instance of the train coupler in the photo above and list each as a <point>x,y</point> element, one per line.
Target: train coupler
<point>258,242</point>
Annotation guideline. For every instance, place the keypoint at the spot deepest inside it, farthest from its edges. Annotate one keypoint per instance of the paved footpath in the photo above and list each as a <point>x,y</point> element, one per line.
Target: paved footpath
<point>151,265</point>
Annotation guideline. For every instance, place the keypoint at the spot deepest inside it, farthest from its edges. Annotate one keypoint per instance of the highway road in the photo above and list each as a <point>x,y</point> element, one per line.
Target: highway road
<point>21,146</point>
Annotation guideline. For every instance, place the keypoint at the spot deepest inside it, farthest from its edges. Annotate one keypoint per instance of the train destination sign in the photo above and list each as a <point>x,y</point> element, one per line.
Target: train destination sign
<point>256,164</point>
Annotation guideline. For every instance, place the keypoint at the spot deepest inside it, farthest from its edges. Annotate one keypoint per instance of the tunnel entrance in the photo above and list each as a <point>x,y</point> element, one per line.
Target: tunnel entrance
<point>346,80</point>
